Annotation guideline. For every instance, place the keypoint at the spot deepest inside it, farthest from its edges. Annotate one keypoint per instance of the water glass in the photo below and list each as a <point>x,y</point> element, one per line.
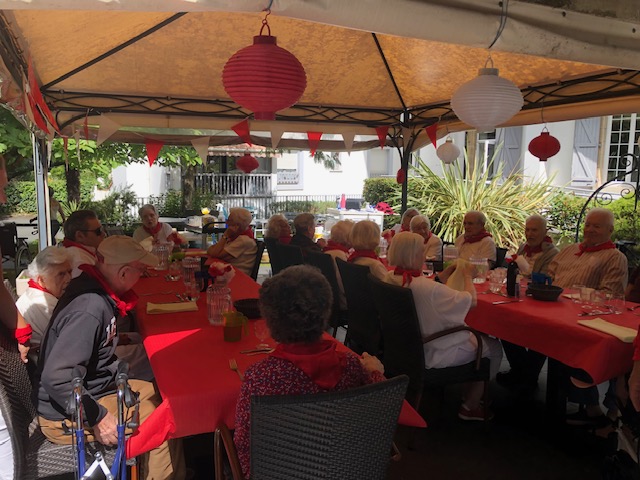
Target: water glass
<point>192,291</point>
<point>615,302</point>
<point>262,333</point>
<point>482,267</point>
<point>218,302</point>
<point>175,271</point>
<point>189,267</point>
<point>161,250</point>
<point>585,295</point>
<point>576,295</point>
<point>495,281</point>
<point>427,269</point>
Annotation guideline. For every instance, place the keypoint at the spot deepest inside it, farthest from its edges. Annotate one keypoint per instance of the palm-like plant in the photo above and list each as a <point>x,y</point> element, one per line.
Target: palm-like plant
<point>505,201</point>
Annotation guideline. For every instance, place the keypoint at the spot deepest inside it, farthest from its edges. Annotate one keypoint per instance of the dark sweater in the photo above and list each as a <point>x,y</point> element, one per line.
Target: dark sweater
<point>305,243</point>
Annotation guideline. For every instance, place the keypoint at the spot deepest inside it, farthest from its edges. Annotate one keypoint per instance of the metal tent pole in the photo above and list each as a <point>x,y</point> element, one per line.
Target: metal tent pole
<point>42,191</point>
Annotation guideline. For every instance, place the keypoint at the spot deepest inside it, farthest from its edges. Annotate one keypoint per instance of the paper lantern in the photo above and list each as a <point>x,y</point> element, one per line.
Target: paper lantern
<point>487,100</point>
<point>544,146</point>
<point>263,77</point>
<point>401,176</point>
<point>247,163</point>
<point>448,152</point>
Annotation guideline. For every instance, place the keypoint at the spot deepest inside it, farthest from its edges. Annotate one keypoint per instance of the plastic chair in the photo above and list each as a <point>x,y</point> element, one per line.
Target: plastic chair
<point>256,265</point>
<point>327,267</point>
<point>345,434</point>
<point>364,321</point>
<point>404,345</point>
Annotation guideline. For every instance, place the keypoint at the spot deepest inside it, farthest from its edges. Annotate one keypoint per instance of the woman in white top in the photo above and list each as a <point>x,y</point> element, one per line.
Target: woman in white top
<point>421,225</point>
<point>365,238</point>
<point>440,307</point>
<point>151,227</point>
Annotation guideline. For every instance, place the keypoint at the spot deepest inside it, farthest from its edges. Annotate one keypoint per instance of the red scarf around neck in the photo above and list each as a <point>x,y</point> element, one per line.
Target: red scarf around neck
<point>476,238</point>
<point>331,245</point>
<point>285,239</point>
<point>66,243</point>
<point>530,251</point>
<point>402,229</point>
<point>124,303</point>
<point>36,286</point>
<point>154,230</point>
<point>319,361</point>
<point>363,254</point>
<point>603,246</point>
<point>407,274</point>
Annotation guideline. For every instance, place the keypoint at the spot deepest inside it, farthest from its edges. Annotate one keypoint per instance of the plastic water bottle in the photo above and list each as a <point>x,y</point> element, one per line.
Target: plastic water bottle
<point>382,248</point>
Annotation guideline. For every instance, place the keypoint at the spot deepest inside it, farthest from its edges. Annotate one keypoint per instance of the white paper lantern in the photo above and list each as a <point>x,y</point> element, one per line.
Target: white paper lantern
<point>487,100</point>
<point>448,152</point>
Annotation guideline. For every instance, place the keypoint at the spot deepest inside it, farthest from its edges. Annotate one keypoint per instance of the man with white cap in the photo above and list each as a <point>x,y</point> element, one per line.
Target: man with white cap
<point>83,332</point>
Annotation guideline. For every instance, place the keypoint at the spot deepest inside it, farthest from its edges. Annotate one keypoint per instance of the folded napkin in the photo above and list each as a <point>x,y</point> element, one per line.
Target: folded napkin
<point>172,307</point>
<point>571,296</point>
<point>626,334</point>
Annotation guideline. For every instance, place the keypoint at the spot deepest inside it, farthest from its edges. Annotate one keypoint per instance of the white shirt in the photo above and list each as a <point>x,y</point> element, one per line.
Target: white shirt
<point>485,248</point>
<point>433,248</point>
<point>37,307</point>
<point>140,233</point>
<point>376,268</point>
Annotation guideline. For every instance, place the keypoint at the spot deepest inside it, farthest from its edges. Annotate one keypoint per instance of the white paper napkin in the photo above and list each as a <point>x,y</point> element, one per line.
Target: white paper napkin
<point>626,334</point>
<point>172,307</point>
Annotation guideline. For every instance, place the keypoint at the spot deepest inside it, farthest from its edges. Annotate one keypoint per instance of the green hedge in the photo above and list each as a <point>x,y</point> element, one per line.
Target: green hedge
<point>381,190</point>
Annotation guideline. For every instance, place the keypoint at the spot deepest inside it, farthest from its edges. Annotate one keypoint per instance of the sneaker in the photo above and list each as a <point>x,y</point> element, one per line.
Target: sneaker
<point>476,414</point>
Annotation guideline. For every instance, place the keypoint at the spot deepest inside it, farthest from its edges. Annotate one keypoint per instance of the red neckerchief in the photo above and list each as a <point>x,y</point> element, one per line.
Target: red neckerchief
<point>175,238</point>
<point>402,229</point>
<point>154,230</point>
<point>36,286</point>
<point>407,274</point>
<point>331,245</point>
<point>476,238</point>
<point>603,246</point>
<point>70,243</point>
<point>529,251</point>
<point>426,240</point>
<point>248,232</point>
<point>363,254</point>
<point>319,361</point>
<point>286,239</point>
<point>125,303</point>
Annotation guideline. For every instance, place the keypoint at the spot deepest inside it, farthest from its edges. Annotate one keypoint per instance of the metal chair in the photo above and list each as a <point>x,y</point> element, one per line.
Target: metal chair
<point>256,265</point>
<point>345,434</point>
<point>364,322</point>
<point>404,345</point>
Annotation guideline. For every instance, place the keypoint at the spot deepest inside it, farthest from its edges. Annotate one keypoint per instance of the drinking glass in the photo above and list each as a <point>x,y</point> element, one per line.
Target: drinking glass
<point>192,291</point>
<point>615,302</point>
<point>175,271</point>
<point>482,267</point>
<point>218,302</point>
<point>262,333</point>
<point>427,269</point>
<point>495,281</point>
<point>576,295</point>
<point>161,250</point>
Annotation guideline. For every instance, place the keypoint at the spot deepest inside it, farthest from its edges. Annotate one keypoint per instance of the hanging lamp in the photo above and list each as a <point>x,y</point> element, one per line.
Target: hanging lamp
<point>448,152</point>
<point>264,77</point>
<point>247,163</point>
<point>544,146</point>
<point>487,100</point>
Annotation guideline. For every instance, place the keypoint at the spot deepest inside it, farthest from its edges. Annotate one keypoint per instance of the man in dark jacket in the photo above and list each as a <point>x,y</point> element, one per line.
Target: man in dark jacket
<point>83,332</point>
<point>305,225</point>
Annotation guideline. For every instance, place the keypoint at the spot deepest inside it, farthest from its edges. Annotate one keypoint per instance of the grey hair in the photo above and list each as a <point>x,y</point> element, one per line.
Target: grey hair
<point>417,220</point>
<point>605,212</point>
<point>341,230</point>
<point>48,258</point>
<point>406,251</point>
<point>537,218</point>
<point>274,226</point>
<point>242,216</point>
<point>479,215</point>
<point>148,206</point>
<point>304,221</point>
<point>365,235</point>
<point>410,211</point>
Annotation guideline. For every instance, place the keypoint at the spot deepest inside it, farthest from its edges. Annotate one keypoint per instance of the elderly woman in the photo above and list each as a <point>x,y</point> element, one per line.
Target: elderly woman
<point>440,307</point>
<point>151,227</point>
<point>50,274</point>
<point>338,246</point>
<point>278,228</point>
<point>421,225</point>
<point>403,226</point>
<point>296,304</point>
<point>237,245</point>
<point>365,237</point>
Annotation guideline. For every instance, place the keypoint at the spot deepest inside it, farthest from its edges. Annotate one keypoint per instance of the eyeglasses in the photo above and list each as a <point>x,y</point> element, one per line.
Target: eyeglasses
<point>98,231</point>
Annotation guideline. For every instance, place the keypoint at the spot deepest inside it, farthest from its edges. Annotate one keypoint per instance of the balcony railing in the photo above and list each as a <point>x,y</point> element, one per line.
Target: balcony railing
<point>231,184</point>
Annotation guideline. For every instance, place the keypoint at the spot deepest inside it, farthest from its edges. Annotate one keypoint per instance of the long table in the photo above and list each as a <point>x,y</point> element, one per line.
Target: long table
<point>190,361</point>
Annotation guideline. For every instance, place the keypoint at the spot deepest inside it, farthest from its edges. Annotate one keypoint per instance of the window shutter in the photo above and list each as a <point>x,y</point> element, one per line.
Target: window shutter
<point>511,150</point>
<point>585,152</point>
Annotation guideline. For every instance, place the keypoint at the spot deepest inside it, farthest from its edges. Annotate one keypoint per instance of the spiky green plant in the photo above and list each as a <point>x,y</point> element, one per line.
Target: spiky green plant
<point>505,201</point>
<point>70,206</point>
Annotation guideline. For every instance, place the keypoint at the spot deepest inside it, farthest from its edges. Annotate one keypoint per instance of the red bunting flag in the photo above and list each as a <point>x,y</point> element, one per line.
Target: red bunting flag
<point>382,134</point>
<point>35,113</point>
<point>242,130</point>
<point>37,97</point>
<point>432,131</point>
<point>153,149</point>
<point>314,140</point>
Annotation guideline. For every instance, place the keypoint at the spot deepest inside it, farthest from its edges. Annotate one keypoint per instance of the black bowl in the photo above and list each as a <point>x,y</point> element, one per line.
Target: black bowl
<point>249,307</point>
<point>546,293</point>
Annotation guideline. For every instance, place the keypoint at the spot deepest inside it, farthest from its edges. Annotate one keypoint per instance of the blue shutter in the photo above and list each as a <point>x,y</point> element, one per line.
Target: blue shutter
<point>585,152</point>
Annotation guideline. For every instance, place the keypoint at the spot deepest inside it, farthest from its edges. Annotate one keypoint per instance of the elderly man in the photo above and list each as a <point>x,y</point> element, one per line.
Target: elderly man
<point>421,225</point>
<point>534,256</point>
<point>83,332</point>
<point>476,241</point>
<point>83,232</point>
<point>237,245</point>
<point>305,226</point>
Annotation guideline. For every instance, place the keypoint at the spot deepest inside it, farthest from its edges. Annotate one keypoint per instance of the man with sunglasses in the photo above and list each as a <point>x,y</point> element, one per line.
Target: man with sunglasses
<point>83,331</point>
<point>83,232</point>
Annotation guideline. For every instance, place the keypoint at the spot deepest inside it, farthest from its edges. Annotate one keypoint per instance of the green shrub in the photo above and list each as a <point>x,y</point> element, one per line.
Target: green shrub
<point>301,206</point>
<point>627,226</point>
<point>381,190</point>
<point>119,208</point>
<point>562,216</point>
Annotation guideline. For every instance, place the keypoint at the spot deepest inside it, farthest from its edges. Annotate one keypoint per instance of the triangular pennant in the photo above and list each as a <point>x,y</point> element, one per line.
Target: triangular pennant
<point>242,130</point>
<point>77,138</point>
<point>314,140</point>
<point>107,127</point>
<point>27,108</point>
<point>153,149</point>
<point>276,135</point>
<point>382,134</point>
<point>348,137</point>
<point>432,131</point>
<point>202,147</point>
<point>85,126</point>
<point>35,113</point>
<point>34,89</point>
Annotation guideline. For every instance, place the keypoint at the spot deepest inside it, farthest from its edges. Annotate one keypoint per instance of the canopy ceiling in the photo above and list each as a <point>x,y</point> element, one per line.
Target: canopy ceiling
<point>155,66</point>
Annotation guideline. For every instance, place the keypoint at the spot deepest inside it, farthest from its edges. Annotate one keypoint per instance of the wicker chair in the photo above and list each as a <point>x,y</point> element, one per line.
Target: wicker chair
<point>345,434</point>
<point>404,345</point>
<point>33,455</point>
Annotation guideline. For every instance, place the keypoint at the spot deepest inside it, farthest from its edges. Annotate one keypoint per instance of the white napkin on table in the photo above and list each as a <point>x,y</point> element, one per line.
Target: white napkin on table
<point>172,307</point>
<point>626,334</point>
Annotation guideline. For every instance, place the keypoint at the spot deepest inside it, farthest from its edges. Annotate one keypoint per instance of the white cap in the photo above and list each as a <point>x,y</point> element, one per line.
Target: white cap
<point>120,249</point>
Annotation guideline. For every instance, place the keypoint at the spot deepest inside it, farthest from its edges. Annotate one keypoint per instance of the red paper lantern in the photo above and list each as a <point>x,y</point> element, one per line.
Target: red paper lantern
<point>544,146</point>
<point>263,77</point>
<point>401,176</point>
<point>247,163</point>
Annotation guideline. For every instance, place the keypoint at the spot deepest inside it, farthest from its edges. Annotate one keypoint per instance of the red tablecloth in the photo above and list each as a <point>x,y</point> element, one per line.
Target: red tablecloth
<point>190,361</point>
<point>552,328</point>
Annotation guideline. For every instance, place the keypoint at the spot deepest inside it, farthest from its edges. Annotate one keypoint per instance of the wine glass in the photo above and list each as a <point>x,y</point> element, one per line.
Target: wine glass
<point>262,333</point>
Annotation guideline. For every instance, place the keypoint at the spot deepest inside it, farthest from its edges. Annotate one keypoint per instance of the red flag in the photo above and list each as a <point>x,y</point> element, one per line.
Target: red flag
<point>314,140</point>
<point>37,97</point>
<point>153,149</point>
<point>382,134</point>
<point>432,131</point>
<point>35,113</point>
<point>242,130</point>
